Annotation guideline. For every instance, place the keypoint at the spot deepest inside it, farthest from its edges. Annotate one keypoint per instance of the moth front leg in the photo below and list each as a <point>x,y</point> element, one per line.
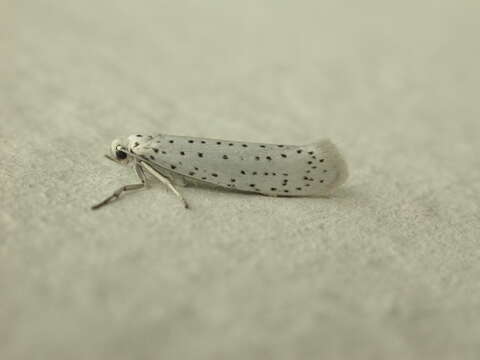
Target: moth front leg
<point>117,194</point>
<point>126,188</point>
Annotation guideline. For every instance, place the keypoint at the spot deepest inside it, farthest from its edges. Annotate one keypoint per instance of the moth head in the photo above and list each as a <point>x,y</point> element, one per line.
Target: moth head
<point>119,151</point>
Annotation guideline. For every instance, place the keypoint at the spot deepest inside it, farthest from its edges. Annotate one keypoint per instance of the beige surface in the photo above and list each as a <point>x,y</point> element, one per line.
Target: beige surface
<point>387,269</point>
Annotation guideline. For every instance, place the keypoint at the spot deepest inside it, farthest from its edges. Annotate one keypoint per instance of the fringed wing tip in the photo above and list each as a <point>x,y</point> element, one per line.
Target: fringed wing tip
<point>337,161</point>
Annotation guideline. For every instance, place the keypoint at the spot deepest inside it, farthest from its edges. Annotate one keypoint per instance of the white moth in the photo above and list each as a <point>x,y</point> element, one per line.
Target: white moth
<point>274,170</point>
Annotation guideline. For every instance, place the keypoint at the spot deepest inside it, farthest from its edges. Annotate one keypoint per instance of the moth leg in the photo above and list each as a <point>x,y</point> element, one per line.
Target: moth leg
<point>117,194</point>
<point>141,174</point>
<point>165,181</point>
<point>125,188</point>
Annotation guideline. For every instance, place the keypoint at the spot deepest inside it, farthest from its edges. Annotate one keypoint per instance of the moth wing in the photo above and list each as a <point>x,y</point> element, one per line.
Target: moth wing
<point>287,170</point>
<point>328,167</point>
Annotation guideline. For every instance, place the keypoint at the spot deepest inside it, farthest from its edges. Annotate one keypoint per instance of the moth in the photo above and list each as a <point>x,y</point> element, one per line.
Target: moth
<point>269,169</point>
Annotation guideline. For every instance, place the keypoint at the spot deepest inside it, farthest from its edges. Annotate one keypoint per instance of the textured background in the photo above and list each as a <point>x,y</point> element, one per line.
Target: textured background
<point>387,268</point>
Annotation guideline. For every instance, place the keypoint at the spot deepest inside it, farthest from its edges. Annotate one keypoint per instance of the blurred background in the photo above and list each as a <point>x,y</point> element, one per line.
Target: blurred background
<point>386,268</point>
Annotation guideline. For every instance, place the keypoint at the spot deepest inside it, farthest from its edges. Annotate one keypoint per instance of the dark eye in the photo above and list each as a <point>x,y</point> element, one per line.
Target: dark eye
<point>120,155</point>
